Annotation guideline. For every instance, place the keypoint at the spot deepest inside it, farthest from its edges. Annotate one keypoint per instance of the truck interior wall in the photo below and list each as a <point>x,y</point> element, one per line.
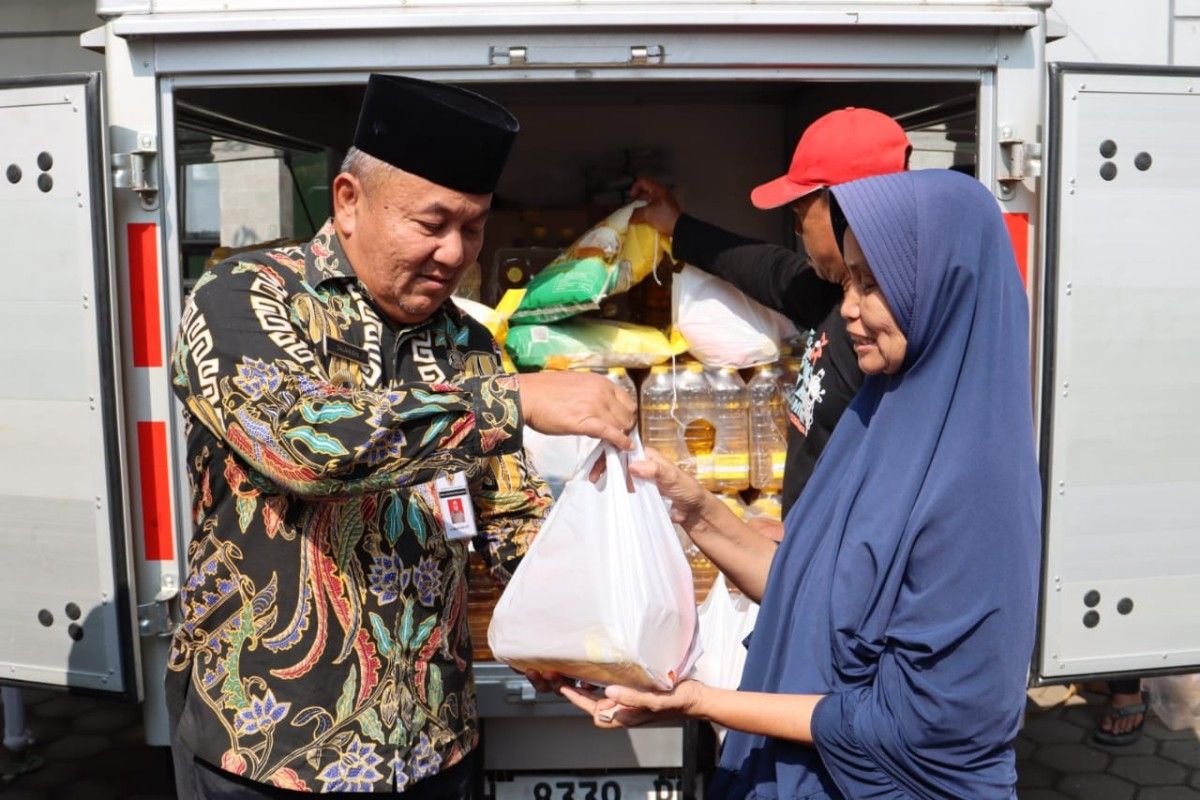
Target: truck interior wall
<point>711,154</point>
<point>712,141</point>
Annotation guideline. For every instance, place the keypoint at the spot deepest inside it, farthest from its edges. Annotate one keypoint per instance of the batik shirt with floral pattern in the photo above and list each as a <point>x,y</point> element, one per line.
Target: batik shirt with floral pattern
<point>324,643</point>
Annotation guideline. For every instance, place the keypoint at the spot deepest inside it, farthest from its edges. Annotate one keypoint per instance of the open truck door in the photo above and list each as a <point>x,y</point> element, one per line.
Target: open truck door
<point>65,609</point>
<point>1120,382</point>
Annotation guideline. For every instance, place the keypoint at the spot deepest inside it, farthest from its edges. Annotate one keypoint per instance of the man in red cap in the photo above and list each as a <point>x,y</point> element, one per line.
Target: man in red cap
<point>841,146</point>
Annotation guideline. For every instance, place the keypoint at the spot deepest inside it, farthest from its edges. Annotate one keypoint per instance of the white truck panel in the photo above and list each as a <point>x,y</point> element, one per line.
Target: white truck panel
<point>1113,31</point>
<point>248,17</point>
<point>577,56</point>
<point>64,604</point>
<point>1122,570</point>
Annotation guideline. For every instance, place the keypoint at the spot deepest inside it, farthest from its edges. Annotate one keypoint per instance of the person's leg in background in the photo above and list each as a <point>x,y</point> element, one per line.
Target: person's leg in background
<point>17,737</point>
<point>1124,715</point>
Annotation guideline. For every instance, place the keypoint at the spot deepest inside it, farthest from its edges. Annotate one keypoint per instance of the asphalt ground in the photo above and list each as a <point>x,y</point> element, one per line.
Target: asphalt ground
<point>90,749</point>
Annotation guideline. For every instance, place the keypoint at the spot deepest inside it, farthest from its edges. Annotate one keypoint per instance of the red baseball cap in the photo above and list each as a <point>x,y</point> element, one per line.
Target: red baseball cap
<point>842,146</point>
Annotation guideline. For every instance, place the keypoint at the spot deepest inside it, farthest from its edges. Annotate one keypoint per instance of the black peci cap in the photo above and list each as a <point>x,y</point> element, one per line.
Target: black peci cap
<point>447,135</point>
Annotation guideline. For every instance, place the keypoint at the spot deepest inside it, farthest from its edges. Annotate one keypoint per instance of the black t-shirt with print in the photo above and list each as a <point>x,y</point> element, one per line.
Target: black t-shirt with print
<point>784,280</point>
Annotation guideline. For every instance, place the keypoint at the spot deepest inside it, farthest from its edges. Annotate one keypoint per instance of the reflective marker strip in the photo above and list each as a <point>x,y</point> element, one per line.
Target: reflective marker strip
<point>1018,233</point>
<point>145,308</point>
<point>157,532</point>
<point>144,304</point>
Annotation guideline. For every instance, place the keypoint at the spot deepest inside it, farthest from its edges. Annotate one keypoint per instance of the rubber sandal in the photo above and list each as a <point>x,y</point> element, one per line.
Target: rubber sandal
<point>18,764</point>
<point>1128,737</point>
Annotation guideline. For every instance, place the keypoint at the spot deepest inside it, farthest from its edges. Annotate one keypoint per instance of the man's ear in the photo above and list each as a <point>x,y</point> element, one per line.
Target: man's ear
<point>347,202</point>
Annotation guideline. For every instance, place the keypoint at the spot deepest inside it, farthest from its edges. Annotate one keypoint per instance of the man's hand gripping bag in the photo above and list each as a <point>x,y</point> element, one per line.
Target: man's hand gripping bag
<point>605,593</point>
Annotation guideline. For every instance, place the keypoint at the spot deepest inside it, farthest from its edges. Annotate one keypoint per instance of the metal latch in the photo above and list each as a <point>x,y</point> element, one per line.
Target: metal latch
<point>519,690</point>
<point>135,170</point>
<point>1019,160</point>
<point>638,55</point>
<point>517,56</point>
<point>154,618</point>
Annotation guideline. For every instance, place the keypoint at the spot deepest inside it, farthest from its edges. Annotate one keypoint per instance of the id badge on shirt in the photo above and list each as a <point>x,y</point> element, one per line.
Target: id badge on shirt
<point>454,499</point>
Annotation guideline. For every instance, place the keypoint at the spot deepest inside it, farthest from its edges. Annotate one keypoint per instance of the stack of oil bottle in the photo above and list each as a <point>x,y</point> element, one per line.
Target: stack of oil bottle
<point>730,432</point>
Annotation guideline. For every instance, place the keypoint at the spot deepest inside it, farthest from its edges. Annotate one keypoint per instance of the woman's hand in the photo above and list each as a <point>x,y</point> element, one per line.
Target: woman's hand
<point>687,496</point>
<point>545,682</point>
<point>622,707</point>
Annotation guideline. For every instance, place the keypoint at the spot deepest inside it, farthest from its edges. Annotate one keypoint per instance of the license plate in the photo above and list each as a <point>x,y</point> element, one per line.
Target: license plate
<point>627,786</point>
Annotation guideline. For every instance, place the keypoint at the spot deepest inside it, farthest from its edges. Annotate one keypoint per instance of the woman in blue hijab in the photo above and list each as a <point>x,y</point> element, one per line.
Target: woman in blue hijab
<point>897,619</point>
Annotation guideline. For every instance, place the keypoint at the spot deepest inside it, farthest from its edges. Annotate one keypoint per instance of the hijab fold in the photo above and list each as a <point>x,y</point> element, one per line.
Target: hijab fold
<point>905,589</point>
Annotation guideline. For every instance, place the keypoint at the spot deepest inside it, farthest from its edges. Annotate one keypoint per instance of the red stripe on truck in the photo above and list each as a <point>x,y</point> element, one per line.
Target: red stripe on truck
<point>157,530</point>
<point>144,295</point>
<point>1018,233</point>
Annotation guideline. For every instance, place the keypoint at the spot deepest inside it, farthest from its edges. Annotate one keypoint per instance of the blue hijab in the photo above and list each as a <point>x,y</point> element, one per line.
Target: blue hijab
<point>906,586</point>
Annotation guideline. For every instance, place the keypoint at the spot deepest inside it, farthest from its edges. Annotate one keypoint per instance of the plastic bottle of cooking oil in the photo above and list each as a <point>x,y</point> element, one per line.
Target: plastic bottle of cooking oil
<point>696,410</point>
<point>621,378</point>
<point>731,454</point>
<point>790,366</point>
<point>769,506</point>
<point>734,502</point>
<point>659,427</point>
<point>768,429</point>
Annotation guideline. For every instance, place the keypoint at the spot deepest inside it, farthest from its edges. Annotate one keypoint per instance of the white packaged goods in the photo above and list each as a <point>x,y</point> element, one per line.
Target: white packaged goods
<point>487,316</point>
<point>605,593</point>
<point>723,327</point>
<point>726,619</point>
<point>557,458</point>
<point>1175,699</point>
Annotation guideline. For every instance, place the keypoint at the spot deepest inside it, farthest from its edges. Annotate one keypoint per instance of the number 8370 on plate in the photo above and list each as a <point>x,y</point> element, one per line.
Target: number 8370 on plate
<point>632,786</point>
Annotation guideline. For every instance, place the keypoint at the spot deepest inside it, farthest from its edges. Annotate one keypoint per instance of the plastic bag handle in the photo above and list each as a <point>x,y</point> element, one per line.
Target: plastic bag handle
<point>585,468</point>
<point>617,462</point>
<point>638,453</point>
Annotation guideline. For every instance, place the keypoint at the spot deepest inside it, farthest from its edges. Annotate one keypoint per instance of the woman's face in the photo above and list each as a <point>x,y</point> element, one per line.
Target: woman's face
<point>878,341</point>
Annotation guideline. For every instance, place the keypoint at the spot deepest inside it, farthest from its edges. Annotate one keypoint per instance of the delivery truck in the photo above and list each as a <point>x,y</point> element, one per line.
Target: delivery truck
<point>118,186</point>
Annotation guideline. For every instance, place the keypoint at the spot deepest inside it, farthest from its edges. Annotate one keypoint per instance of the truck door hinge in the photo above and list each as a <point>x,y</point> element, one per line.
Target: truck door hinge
<point>1019,160</point>
<point>136,171</point>
<point>155,618</point>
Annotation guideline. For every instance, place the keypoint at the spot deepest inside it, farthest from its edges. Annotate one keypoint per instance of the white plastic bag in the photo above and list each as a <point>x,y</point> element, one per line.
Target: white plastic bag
<point>557,458</point>
<point>1175,700</point>
<point>726,620</point>
<point>722,326</point>
<point>604,594</point>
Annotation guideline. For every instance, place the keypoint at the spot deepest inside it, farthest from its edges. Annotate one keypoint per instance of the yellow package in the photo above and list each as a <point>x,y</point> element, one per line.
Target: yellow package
<point>588,343</point>
<point>608,259</point>
<point>641,250</point>
<point>495,320</point>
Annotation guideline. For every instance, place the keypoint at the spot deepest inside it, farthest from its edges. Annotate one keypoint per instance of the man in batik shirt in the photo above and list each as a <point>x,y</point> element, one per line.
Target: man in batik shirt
<point>330,392</point>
